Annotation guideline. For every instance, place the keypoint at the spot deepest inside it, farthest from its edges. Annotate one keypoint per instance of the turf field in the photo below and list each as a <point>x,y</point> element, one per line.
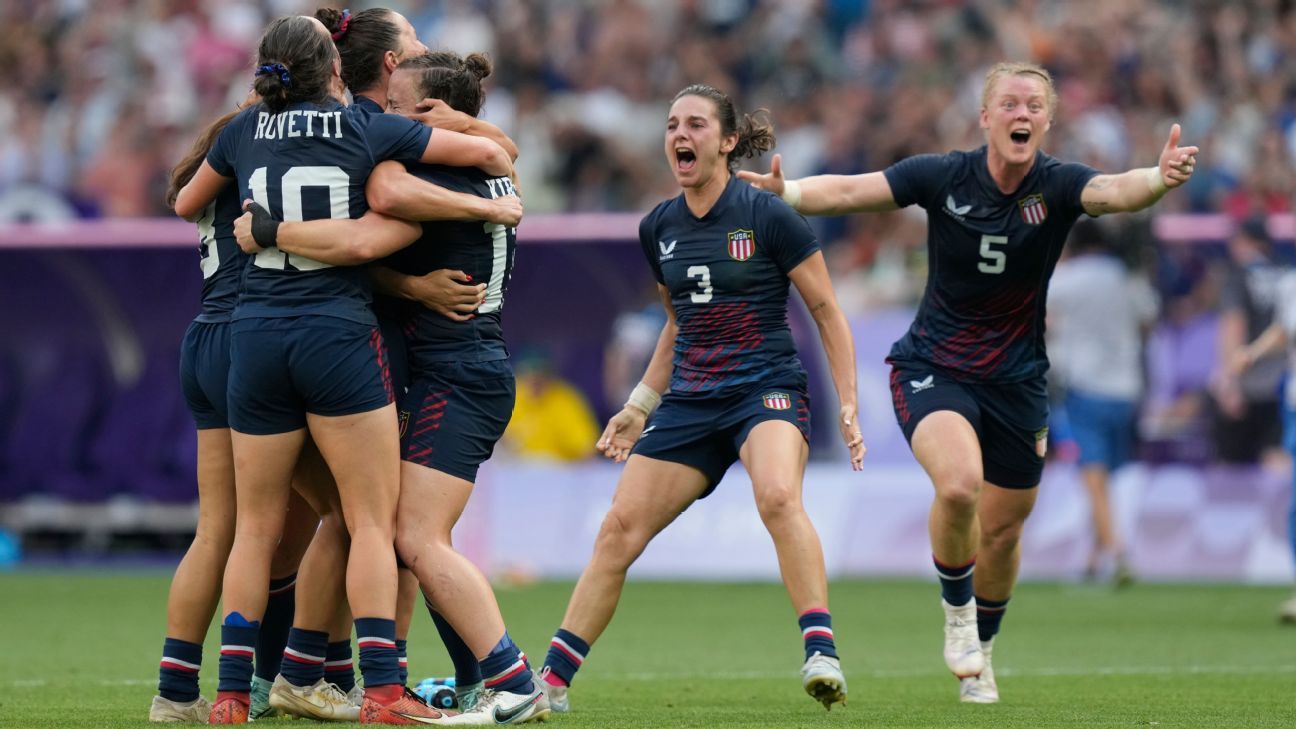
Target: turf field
<point>81,650</point>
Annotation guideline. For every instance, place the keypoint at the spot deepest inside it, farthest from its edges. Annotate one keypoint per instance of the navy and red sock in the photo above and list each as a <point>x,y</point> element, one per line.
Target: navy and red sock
<point>379,660</point>
<point>178,670</point>
<point>402,658</point>
<point>503,669</point>
<point>956,581</point>
<point>467,669</point>
<point>238,638</point>
<point>339,668</point>
<point>989,614</point>
<point>566,654</point>
<point>304,656</point>
<point>275,624</point>
<point>816,631</point>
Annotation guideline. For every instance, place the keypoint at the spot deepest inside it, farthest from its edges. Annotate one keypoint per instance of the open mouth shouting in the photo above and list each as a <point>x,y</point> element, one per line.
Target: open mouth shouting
<point>685,159</point>
<point>1020,138</point>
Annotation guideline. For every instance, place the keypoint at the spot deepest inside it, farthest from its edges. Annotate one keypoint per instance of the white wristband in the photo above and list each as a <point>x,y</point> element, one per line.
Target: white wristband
<point>792,193</point>
<point>1155,183</point>
<point>644,398</point>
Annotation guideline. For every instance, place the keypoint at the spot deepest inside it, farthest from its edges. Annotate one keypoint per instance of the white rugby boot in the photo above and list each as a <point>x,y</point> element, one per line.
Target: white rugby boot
<point>822,678</point>
<point>321,700</point>
<point>981,689</point>
<point>962,644</point>
<point>166,710</point>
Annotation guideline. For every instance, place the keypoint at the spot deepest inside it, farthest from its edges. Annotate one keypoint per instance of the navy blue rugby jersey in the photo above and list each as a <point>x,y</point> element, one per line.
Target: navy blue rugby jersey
<point>482,250</point>
<point>990,256</point>
<point>221,259</point>
<point>727,273</point>
<point>309,161</point>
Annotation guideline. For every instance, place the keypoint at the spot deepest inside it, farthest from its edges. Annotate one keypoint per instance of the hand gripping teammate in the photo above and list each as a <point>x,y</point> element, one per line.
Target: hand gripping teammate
<point>968,378</point>
<point>723,255</point>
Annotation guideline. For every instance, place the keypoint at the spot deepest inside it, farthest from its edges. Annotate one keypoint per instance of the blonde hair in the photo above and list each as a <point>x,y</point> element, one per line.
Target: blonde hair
<point>1020,68</point>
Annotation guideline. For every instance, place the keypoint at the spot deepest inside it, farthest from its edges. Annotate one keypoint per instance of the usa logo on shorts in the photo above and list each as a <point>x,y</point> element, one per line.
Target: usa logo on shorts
<point>777,401</point>
<point>1033,210</point>
<point>742,244</point>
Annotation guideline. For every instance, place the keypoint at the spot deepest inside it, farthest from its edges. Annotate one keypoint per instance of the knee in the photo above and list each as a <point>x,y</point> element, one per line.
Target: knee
<point>959,492</point>
<point>619,543</point>
<point>777,502</point>
<point>1000,538</point>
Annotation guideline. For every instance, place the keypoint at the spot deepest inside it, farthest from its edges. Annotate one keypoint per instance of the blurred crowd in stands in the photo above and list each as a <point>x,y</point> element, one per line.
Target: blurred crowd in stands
<point>103,95</point>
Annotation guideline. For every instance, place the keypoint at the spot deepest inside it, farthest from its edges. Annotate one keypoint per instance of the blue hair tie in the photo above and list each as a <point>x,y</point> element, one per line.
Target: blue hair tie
<point>276,68</point>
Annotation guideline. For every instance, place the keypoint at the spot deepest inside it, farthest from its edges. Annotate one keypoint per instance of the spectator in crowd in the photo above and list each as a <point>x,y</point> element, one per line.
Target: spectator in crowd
<point>551,419</point>
<point>1098,314</point>
<point>1246,412</point>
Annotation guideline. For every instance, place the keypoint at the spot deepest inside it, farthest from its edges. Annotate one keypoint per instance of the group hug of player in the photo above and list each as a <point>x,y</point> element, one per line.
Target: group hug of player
<point>340,436</point>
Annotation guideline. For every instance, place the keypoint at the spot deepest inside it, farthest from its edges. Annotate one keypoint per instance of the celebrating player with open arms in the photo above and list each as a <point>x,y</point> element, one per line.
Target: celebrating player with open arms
<point>723,255</point>
<point>306,352</point>
<point>968,378</point>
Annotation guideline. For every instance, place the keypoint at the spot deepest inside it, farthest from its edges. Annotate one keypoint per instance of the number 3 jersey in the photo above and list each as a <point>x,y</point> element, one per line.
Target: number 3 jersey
<point>307,162</point>
<point>482,250</point>
<point>727,273</point>
<point>990,256</point>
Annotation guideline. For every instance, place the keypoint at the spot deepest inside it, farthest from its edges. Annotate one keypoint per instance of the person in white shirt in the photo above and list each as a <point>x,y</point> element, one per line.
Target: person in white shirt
<point>1281,332</point>
<point>1098,314</point>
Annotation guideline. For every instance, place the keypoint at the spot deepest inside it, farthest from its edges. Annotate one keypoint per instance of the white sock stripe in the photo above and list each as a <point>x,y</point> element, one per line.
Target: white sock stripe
<point>819,628</point>
<point>940,571</point>
<point>303,656</point>
<point>338,664</point>
<point>238,648</point>
<point>506,671</point>
<point>580,657</point>
<point>382,642</point>
<point>182,664</point>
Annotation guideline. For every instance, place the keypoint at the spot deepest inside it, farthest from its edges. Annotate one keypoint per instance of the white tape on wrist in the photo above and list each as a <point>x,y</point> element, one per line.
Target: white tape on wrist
<point>1155,183</point>
<point>644,398</point>
<point>792,193</point>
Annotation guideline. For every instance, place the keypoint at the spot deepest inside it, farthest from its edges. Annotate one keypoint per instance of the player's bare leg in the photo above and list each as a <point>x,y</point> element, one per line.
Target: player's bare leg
<point>407,593</point>
<point>1003,514</point>
<point>363,454</point>
<point>775,455</point>
<point>431,503</point>
<point>649,496</point>
<point>263,467</point>
<point>196,586</point>
<point>320,589</point>
<point>195,589</point>
<point>946,446</point>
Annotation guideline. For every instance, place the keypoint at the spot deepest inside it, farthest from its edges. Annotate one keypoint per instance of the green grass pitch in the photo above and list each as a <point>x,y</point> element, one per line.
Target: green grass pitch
<point>81,650</point>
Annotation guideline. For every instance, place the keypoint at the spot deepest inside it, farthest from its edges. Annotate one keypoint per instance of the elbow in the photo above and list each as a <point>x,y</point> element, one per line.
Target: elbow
<point>382,198</point>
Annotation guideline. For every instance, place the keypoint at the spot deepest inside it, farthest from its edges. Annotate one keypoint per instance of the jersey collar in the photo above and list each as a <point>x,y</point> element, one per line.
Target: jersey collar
<point>368,104</point>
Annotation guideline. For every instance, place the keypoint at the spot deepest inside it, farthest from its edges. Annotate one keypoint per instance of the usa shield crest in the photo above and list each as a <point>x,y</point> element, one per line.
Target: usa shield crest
<point>777,400</point>
<point>742,244</point>
<point>1033,209</point>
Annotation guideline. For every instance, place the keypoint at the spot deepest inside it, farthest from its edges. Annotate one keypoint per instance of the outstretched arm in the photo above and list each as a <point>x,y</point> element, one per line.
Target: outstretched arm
<point>393,191</point>
<point>336,242</point>
<point>826,194</point>
<point>624,429</point>
<point>812,281</point>
<point>1140,188</point>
